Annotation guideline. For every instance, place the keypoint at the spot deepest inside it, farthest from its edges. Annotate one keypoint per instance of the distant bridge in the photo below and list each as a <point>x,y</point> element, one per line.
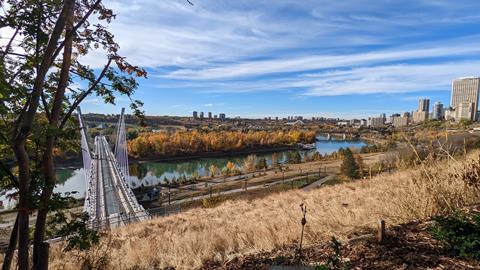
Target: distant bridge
<point>327,136</point>
<point>109,201</point>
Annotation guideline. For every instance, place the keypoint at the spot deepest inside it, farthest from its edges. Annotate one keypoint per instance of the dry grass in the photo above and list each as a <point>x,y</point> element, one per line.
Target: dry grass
<point>237,227</point>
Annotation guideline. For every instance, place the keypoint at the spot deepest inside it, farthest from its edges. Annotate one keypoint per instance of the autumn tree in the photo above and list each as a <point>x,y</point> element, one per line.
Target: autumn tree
<point>250,163</point>
<point>43,78</point>
<point>360,164</point>
<point>230,168</point>
<point>213,170</point>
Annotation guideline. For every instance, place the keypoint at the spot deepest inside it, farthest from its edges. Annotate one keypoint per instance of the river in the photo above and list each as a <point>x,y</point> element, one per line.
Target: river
<point>151,173</point>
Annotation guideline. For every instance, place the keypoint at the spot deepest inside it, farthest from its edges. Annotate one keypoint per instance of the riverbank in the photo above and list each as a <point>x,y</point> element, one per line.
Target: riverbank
<point>217,154</point>
<point>77,162</point>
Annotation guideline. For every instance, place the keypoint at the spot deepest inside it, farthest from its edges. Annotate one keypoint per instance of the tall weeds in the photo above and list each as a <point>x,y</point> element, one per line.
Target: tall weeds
<point>237,227</point>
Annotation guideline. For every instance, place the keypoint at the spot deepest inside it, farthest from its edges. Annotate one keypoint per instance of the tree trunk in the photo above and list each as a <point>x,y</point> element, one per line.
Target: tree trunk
<point>48,167</point>
<point>24,124</point>
<point>12,244</point>
<point>23,203</point>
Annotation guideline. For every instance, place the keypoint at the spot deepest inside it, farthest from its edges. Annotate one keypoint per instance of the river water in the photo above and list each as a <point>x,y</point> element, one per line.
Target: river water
<point>151,173</point>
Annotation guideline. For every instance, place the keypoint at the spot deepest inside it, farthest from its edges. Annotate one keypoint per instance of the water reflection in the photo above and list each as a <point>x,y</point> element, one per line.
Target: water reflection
<point>152,173</point>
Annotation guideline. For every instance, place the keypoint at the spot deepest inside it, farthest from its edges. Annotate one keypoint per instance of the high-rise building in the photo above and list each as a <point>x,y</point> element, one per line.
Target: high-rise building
<point>201,115</point>
<point>210,115</point>
<point>399,121</point>
<point>437,112</point>
<point>422,113</point>
<point>465,110</point>
<point>376,121</point>
<point>465,90</point>
<point>222,116</point>
<point>424,105</point>
<point>195,114</point>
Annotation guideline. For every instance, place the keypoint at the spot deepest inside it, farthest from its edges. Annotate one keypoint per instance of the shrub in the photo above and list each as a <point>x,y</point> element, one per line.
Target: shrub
<point>212,201</point>
<point>334,260</point>
<point>460,233</point>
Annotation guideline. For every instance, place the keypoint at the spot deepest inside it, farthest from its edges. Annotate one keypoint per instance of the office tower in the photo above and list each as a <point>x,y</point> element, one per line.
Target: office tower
<point>465,110</point>
<point>424,105</point>
<point>195,114</point>
<point>437,112</point>
<point>201,115</point>
<point>210,115</point>
<point>422,113</point>
<point>465,90</point>
<point>222,116</point>
<point>376,121</point>
<point>399,121</point>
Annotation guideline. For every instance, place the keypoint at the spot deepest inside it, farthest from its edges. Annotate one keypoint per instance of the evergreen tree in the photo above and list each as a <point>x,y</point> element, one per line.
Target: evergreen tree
<point>349,165</point>
<point>262,164</point>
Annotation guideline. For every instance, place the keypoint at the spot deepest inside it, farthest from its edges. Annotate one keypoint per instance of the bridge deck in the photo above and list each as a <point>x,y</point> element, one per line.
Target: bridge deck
<point>111,203</point>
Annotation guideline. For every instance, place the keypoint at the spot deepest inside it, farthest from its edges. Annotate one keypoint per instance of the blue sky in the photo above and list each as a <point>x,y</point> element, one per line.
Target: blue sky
<point>256,58</point>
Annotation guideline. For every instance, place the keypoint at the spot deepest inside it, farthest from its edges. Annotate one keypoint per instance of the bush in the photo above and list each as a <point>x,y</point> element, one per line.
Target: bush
<point>212,201</point>
<point>460,233</point>
<point>334,260</point>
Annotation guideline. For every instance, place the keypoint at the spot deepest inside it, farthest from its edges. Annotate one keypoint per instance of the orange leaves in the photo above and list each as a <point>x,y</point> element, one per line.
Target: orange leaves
<point>194,142</point>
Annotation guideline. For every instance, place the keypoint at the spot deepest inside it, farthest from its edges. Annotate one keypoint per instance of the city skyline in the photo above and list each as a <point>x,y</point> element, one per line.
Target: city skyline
<point>259,59</point>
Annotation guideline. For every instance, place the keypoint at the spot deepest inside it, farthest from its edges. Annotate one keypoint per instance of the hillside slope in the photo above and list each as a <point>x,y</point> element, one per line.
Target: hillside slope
<point>187,240</point>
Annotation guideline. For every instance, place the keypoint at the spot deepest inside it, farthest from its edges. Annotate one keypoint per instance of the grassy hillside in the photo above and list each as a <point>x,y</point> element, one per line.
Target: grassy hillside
<point>186,240</point>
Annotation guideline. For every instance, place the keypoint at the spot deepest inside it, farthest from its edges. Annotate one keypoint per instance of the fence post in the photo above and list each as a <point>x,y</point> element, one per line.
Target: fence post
<point>292,183</point>
<point>381,231</point>
<point>169,198</point>
<point>245,185</point>
<point>210,191</point>
<point>43,256</point>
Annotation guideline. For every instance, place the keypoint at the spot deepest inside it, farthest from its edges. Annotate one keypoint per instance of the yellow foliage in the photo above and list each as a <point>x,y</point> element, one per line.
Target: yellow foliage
<point>192,142</point>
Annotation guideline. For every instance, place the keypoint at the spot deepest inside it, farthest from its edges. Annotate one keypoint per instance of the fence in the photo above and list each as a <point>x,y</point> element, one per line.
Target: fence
<point>182,198</point>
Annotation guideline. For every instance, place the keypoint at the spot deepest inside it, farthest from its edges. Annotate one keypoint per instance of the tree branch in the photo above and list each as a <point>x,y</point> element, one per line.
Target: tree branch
<point>75,28</point>
<point>9,44</point>
<point>45,105</point>
<point>26,125</point>
<point>83,95</point>
<point>10,175</point>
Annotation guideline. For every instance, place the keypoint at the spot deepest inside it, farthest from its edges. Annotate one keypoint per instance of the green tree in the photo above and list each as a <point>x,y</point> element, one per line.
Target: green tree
<point>295,157</point>
<point>39,95</point>
<point>274,160</point>
<point>262,164</point>
<point>349,165</point>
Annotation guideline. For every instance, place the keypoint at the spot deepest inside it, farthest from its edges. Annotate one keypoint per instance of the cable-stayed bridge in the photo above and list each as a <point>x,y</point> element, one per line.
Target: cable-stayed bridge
<point>109,201</point>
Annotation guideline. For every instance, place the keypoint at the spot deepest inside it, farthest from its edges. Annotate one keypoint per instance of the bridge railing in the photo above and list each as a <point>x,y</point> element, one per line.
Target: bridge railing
<point>118,220</point>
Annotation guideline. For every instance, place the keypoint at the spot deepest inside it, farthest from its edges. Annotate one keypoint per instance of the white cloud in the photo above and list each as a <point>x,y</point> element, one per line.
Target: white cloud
<point>234,46</point>
<point>400,78</point>
<point>305,63</point>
